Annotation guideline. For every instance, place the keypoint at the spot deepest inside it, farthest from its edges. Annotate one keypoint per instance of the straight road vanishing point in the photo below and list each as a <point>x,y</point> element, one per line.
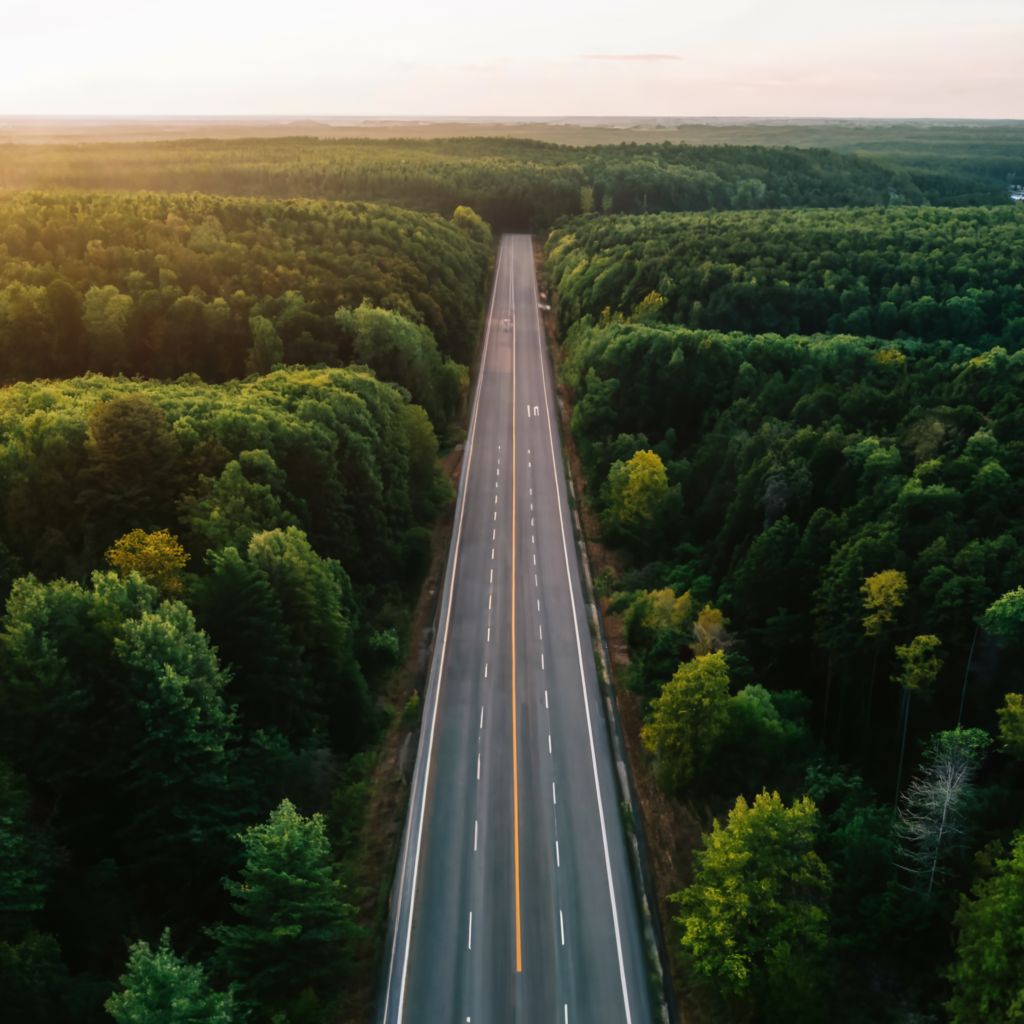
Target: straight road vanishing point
<point>513,900</point>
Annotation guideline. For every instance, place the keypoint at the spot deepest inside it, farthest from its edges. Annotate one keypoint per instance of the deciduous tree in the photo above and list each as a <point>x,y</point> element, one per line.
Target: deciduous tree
<point>755,921</point>
<point>687,719</point>
<point>988,973</point>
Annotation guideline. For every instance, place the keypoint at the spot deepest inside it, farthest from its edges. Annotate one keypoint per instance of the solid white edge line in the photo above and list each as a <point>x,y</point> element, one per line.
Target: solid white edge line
<point>579,654</point>
<point>463,490</point>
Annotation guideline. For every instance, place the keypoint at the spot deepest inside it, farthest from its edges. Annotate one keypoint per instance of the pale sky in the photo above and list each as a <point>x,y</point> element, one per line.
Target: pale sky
<point>870,58</point>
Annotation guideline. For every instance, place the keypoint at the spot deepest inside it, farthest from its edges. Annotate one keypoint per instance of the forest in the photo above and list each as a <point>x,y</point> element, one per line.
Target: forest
<point>911,272</point>
<point>163,285</point>
<point>219,474</point>
<point>514,184</point>
<point>819,567</point>
<point>171,553</point>
<point>229,371</point>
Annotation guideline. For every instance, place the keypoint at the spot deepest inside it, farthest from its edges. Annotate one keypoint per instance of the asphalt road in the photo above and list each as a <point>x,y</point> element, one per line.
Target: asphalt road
<point>513,898</point>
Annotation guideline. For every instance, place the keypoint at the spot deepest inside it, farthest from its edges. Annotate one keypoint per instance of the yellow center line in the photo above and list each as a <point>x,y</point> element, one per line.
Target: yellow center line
<point>515,742</point>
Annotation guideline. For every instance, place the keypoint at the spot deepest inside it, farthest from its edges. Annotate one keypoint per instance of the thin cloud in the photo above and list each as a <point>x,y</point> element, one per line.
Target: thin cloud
<point>632,56</point>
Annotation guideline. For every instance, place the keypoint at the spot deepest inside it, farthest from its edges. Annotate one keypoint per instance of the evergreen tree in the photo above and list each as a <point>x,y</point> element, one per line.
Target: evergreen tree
<point>160,987</point>
<point>292,925</point>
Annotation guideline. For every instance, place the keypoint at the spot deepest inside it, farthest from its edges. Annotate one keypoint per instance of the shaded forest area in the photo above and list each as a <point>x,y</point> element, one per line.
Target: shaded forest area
<point>209,555</point>
<point>821,589</point>
<point>514,184</point>
<point>219,575</point>
<point>912,272</point>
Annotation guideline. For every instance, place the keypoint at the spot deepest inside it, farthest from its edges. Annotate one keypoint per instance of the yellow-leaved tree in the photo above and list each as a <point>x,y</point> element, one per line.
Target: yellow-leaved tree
<point>637,489</point>
<point>882,596</point>
<point>157,557</point>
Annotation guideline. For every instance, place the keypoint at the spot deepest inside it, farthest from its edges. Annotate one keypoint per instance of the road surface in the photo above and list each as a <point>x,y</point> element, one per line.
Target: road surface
<point>513,900</point>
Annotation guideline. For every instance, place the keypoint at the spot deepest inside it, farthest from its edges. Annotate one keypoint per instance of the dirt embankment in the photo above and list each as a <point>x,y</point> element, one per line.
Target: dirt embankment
<point>673,828</point>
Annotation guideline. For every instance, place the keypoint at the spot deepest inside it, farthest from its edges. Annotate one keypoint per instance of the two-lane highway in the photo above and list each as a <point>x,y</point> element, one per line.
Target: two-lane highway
<point>513,900</point>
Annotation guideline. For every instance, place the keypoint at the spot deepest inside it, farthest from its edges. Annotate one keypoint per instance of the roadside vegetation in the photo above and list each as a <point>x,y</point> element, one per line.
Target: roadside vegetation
<point>209,555</point>
<point>820,583</point>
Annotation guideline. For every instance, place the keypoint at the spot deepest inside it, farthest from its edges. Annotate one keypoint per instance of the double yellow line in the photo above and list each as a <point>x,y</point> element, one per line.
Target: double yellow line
<point>515,739</point>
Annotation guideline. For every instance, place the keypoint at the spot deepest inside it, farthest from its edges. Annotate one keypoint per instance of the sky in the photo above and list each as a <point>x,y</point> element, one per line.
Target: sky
<point>659,58</point>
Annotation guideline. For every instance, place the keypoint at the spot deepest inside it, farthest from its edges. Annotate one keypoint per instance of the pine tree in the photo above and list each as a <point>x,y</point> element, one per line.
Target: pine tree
<point>160,987</point>
<point>292,926</point>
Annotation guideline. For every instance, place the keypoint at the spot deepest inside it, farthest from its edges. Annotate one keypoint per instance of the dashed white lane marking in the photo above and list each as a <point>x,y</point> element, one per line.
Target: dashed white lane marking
<point>538,604</point>
<point>499,472</point>
<point>529,465</point>
<point>535,583</point>
<point>554,797</point>
<point>542,664</point>
<point>477,767</point>
<point>492,575</point>
<point>494,534</point>
<point>531,520</point>
<point>561,926</point>
<point>558,856</point>
<point>476,833</point>
<point>533,538</point>
<point>540,632</point>
<point>469,943</point>
<point>492,554</point>
<point>545,698</point>
<point>566,1021</point>
<point>495,499</point>
<point>490,597</point>
<point>495,516</point>
<point>488,634</point>
<point>531,492</point>
<point>549,743</point>
<point>485,670</point>
<point>534,559</point>
<point>481,716</point>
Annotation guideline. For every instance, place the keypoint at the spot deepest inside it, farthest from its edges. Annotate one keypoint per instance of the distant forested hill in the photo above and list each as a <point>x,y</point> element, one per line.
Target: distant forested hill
<point>898,273</point>
<point>512,183</point>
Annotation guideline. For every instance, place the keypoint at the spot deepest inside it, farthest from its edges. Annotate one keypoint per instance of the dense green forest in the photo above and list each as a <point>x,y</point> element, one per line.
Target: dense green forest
<point>209,554</point>
<point>897,273</point>
<point>165,285</point>
<point>222,403</point>
<point>821,578</point>
<point>144,718</point>
<point>511,183</point>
